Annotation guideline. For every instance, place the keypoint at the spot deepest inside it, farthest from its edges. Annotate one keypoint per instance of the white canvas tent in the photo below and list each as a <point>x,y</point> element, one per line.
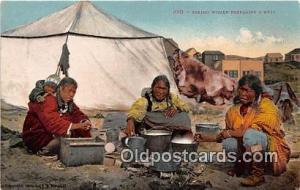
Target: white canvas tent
<point>111,60</point>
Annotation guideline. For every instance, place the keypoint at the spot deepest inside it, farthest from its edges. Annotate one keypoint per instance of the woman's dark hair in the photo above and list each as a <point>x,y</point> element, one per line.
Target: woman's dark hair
<point>68,81</point>
<point>253,82</point>
<point>163,78</point>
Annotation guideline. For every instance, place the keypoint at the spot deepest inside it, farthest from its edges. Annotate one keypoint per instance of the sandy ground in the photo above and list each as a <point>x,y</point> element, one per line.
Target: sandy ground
<point>21,170</point>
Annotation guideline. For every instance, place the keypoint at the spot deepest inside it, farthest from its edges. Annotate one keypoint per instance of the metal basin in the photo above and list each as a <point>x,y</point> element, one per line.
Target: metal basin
<point>157,140</point>
<point>80,151</point>
<point>208,128</point>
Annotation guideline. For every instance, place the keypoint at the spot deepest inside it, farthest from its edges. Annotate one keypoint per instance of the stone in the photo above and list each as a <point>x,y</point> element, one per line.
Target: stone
<point>15,141</point>
<point>131,169</point>
<point>109,147</point>
<point>105,187</point>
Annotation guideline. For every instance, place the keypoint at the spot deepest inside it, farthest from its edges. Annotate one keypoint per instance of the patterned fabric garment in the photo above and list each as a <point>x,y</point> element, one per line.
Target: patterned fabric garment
<point>139,108</point>
<point>63,107</point>
<point>266,118</point>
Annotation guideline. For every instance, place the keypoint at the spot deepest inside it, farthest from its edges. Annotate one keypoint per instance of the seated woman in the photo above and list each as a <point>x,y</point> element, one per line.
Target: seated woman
<point>56,116</point>
<point>253,125</point>
<point>158,108</point>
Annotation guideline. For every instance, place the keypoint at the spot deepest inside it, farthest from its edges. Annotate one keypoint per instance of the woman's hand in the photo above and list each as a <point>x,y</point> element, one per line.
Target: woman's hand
<point>200,137</point>
<point>170,112</point>
<point>223,135</point>
<point>130,128</point>
<point>219,137</point>
<point>226,134</point>
<point>85,125</point>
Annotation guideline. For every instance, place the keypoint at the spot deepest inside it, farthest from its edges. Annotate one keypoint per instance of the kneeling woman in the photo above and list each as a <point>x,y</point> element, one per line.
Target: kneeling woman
<point>57,116</point>
<point>158,108</point>
<point>253,125</point>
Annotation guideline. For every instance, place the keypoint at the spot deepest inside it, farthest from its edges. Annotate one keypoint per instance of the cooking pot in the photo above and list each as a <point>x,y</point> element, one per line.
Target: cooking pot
<point>169,166</point>
<point>184,144</point>
<point>208,128</point>
<point>157,140</point>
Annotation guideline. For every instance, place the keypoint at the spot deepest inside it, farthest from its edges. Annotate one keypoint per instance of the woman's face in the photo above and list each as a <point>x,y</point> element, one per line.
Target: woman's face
<point>67,92</point>
<point>160,90</point>
<point>246,94</point>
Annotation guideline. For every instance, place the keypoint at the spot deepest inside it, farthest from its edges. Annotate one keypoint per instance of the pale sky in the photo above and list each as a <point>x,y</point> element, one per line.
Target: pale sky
<point>259,28</point>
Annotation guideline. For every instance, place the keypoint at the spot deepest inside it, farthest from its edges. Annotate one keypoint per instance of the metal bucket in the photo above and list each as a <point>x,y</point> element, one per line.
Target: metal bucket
<point>208,128</point>
<point>136,145</point>
<point>158,140</point>
<point>112,135</point>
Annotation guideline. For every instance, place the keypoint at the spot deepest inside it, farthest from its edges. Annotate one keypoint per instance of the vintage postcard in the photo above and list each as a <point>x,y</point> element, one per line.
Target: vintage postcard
<point>150,94</point>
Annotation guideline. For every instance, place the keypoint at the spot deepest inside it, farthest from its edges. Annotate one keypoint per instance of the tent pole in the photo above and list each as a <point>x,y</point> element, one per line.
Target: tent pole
<point>67,37</point>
